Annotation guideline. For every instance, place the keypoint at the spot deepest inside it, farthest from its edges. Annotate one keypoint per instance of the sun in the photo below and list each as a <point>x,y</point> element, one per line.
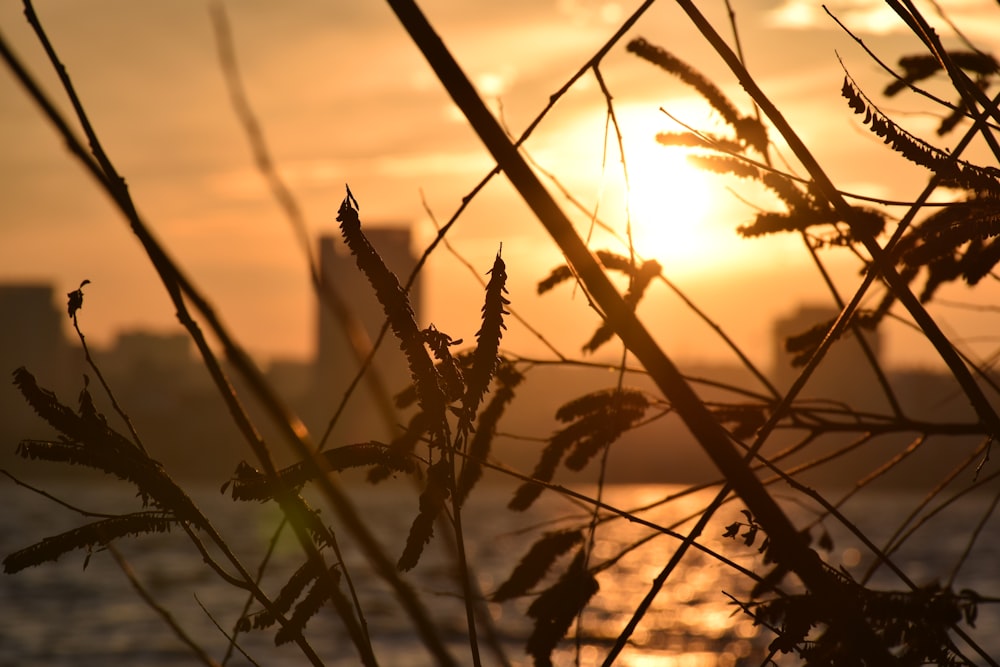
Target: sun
<point>680,215</point>
<point>670,205</point>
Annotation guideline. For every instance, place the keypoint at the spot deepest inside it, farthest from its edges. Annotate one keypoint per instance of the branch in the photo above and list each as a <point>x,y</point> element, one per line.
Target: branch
<point>788,545</point>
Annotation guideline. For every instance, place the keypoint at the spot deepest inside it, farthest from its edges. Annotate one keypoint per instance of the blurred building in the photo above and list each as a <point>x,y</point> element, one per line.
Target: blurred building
<point>337,361</point>
<point>32,331</point>
<point>845,373</point>
<point>32,336</point>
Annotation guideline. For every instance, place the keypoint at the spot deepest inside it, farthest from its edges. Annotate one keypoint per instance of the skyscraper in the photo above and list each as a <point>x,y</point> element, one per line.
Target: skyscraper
<point>336,360</point>
<point>845,373</point>
<point>32,331</point>
<point>31,335</point>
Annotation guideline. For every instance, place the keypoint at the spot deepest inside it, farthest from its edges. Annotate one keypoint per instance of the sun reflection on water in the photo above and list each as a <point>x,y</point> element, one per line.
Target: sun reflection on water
<point>691,621</point>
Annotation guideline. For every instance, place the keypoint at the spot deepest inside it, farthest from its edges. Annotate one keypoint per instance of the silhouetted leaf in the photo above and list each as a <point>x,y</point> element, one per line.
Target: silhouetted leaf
<point>402,447</point>
<point>436,492</point>
<point>507,378</point>
<point>700,140</point>
<point>486,356</point>
<point>448,367</point>
<point>922,66</point>
<point>536,563</point>
<point>74,299</point>
<point>282,603</point>
<point>637,288</point>
<point>725,165</point>
<point>248,483</point>
<point>90,535</point>
<point>397,308</point>
<point>949,168</point>
<point>743,420</point>
<point>825,542</point>
<point>555,609</point>
<point>558,275</point>
<point>320,592</point>
<point>748,130</point>
<point>599,419</point>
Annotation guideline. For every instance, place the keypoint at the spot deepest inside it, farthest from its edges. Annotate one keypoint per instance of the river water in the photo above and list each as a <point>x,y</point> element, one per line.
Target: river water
<point>63,613</point>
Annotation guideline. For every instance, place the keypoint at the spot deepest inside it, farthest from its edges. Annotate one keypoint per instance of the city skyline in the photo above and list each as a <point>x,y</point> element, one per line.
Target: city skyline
<point>368,112</point>
<point>163,386</point>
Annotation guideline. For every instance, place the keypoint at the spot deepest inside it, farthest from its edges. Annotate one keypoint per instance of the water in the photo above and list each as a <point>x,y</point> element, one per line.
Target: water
<point>62,614</point>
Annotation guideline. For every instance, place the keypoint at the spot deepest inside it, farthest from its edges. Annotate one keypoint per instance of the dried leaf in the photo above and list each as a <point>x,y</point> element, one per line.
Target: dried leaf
<point>98,533</point>
<point>250,484</point>
<point>536,563</point>
<point>397,308</point>
<point>436,492</point>
<point>556,608</point>
<point>486,356</point>
<point>74,299</point>
<point>507,378</point>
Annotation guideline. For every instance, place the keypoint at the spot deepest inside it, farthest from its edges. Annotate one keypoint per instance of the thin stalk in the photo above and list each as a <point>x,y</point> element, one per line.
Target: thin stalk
<point>261,567</point>
<point>465,574</point>
<point>866,348</point>
<point>180,290</point>
<point>976,532</point>
<point>880,259</point>
<point>354,332</point>
<point>107,388</point>
<point>351,325</point>
<point>162,611</point>
<point>228,636</point>
<point>788,546</point>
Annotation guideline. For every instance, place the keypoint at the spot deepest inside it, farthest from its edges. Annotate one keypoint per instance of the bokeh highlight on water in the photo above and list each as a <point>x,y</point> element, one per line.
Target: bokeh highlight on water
<point>62,614</point>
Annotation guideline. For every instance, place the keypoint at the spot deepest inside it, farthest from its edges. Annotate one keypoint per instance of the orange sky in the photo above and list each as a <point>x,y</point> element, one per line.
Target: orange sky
<point>343,96</point>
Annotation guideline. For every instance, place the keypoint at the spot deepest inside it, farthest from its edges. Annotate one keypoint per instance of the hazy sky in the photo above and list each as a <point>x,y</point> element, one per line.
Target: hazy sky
<point>344,97</point>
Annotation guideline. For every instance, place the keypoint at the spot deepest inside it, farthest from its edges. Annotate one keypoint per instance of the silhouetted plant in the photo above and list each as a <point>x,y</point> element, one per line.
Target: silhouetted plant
<point>460,397</point>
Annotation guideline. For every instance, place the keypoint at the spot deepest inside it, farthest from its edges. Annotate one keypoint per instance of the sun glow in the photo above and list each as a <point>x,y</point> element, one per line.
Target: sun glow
<point>680,215</point>
<point>670,203</point>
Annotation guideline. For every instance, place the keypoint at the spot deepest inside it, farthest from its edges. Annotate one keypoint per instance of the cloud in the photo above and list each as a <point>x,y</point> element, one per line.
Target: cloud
<point>975,18</point>
<point>245,183</point>
<point>862,16</point>
<point>441,164</point>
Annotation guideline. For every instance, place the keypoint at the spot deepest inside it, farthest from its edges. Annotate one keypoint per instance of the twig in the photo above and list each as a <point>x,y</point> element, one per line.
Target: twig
<point>786,543</point>
<point>880,257</point>
<point>46,494</point>
<point>478,275</point>
<point>167,617</point>
<point>973,536</point>
<point>179,289</point>
<point>107,388</point>
<point>231,638</point>
<point>331,298</point>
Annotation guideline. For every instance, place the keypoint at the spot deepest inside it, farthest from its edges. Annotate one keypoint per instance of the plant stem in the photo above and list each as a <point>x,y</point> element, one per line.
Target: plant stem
<point>788,546</point>
<point>880,259</point>
<point>181,290</point>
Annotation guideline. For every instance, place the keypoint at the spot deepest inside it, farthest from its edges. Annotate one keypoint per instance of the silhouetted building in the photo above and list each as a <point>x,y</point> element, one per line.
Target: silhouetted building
<point>155,369</point>
<point>336,361</point>
<point>845,373</point>
<point>145,350</point>
<point>292,379</point>
<point>32,335</point>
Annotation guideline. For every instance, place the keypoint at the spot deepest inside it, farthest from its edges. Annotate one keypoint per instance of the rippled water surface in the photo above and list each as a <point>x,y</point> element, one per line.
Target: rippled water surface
<point>64,614</point>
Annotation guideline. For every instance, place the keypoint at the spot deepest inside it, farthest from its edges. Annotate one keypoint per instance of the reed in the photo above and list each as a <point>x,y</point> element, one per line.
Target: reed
<point>808,610</point>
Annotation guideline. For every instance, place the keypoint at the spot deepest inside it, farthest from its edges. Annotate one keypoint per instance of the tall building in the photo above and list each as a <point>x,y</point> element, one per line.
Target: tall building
<point>32,331</point>
<point>845,373</point>
<point>32,335</point>
<point>336,360</point>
